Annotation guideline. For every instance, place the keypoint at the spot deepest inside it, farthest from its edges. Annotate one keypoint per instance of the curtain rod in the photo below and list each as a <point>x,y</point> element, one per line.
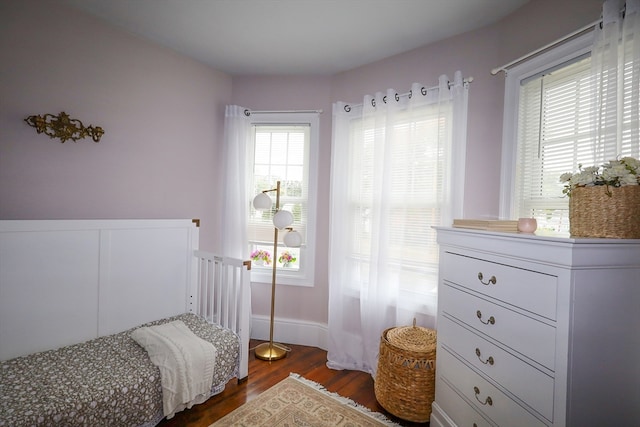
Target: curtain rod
<point>248,112</point>
<point>543,48</point>
<point>423,90</point>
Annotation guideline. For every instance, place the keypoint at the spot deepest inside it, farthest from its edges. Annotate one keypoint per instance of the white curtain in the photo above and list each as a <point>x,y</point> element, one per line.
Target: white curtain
<point>234,207</point>
<point>397,170</point>
<point>616,77</point>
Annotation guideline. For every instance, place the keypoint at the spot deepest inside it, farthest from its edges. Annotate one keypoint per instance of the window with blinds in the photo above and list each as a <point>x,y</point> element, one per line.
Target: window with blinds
<point>281,153</point>
<point>555,126</point>
<point>413,200</point>
<point>556,132</point>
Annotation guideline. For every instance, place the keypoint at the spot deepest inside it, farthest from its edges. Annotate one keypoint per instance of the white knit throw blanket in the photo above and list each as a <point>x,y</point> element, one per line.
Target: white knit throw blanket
<point>186,363</point>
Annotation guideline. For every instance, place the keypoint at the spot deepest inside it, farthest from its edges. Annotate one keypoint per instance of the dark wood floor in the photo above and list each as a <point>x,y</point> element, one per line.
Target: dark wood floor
<point>310,362</point>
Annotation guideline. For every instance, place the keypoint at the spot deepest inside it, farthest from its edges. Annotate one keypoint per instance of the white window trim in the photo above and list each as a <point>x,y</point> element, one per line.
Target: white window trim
<point>556,56</point>
<point>306,275</point>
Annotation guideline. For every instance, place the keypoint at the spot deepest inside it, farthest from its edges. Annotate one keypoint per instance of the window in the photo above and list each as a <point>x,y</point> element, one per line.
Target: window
<point>549,128</point>
<point>284,149</point>
<point>554,135</point>
<point>414,197</point>
<point>546,132</point>
<point>539,139</point>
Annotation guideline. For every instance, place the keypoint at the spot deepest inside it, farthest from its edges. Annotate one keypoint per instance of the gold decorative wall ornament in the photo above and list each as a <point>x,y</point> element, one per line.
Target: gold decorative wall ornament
<point>64,127</point>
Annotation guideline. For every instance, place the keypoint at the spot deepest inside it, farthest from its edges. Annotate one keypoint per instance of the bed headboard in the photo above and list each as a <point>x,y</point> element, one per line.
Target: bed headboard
<point>67,281</point>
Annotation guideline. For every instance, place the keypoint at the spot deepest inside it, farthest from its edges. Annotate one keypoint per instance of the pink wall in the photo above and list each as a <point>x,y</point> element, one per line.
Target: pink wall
<point>163,115</point>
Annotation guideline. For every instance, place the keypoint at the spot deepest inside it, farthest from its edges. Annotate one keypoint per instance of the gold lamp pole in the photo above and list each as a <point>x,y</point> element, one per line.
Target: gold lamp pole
<point>281,219</point>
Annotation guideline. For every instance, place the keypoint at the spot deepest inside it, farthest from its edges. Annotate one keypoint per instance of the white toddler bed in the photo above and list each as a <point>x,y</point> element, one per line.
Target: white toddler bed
<point>93,282</point>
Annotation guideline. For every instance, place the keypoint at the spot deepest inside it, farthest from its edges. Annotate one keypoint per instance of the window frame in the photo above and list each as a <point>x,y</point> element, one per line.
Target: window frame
<point>554,57</point>
<point>305,276</point>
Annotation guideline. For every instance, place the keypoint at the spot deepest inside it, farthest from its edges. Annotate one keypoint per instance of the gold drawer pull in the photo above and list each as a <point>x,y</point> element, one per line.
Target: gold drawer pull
<point>492,280</point>
<point>491,321</point>
<point>487,401</point>
<point>489,361</point>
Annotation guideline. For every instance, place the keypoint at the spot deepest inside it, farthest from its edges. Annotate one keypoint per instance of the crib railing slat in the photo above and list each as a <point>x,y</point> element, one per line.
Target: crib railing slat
<point>224,297</point>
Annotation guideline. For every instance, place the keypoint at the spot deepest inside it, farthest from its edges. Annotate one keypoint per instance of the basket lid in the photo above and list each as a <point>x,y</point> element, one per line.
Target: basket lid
<point>412,338</point>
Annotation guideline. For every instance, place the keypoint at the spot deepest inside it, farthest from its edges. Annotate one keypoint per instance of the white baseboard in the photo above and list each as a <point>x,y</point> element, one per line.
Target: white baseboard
<point>291,331</point>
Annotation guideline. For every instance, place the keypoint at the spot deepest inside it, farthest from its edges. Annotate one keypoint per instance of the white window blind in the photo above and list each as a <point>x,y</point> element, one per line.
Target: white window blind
<point>555,126</point>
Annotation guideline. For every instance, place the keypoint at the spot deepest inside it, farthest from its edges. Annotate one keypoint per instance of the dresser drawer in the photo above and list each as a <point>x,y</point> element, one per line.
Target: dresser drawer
<point>485,397</point>
<point>529,384</point>
<point>529,290</point>
<point>463,414</point>
<point>529,337</point>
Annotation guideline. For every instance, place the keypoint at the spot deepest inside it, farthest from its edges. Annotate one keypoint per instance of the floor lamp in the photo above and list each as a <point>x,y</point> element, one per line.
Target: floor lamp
<point>281,221</point>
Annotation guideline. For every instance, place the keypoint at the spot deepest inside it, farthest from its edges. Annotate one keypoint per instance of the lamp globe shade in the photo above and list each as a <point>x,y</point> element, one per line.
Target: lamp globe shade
<point>282,219</point>
<point>262,202</point>
<point>292,239</point>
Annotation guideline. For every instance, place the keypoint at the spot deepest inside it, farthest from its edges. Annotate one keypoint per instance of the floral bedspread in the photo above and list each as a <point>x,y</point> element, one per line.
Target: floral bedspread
<point>108,381</point>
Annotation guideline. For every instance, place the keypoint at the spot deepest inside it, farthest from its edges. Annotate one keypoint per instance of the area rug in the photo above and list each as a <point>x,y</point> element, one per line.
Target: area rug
<point>296,401</point>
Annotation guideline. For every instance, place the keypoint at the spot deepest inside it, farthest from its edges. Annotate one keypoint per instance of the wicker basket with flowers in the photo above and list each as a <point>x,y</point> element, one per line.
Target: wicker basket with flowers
<point>604,201</point>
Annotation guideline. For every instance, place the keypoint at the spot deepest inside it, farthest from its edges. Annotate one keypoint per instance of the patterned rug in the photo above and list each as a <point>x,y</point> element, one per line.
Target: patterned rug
<point>296,401</point>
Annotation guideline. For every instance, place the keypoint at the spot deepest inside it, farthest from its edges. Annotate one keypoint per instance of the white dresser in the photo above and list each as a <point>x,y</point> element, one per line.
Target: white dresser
<point>537,331</point>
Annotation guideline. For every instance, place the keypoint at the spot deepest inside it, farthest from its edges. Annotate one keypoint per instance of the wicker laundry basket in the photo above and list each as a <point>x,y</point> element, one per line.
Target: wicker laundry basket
<point>405,380</point>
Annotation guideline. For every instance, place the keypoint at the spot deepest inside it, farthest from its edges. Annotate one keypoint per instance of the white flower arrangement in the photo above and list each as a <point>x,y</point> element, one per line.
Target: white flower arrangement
<point>615,173</point>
